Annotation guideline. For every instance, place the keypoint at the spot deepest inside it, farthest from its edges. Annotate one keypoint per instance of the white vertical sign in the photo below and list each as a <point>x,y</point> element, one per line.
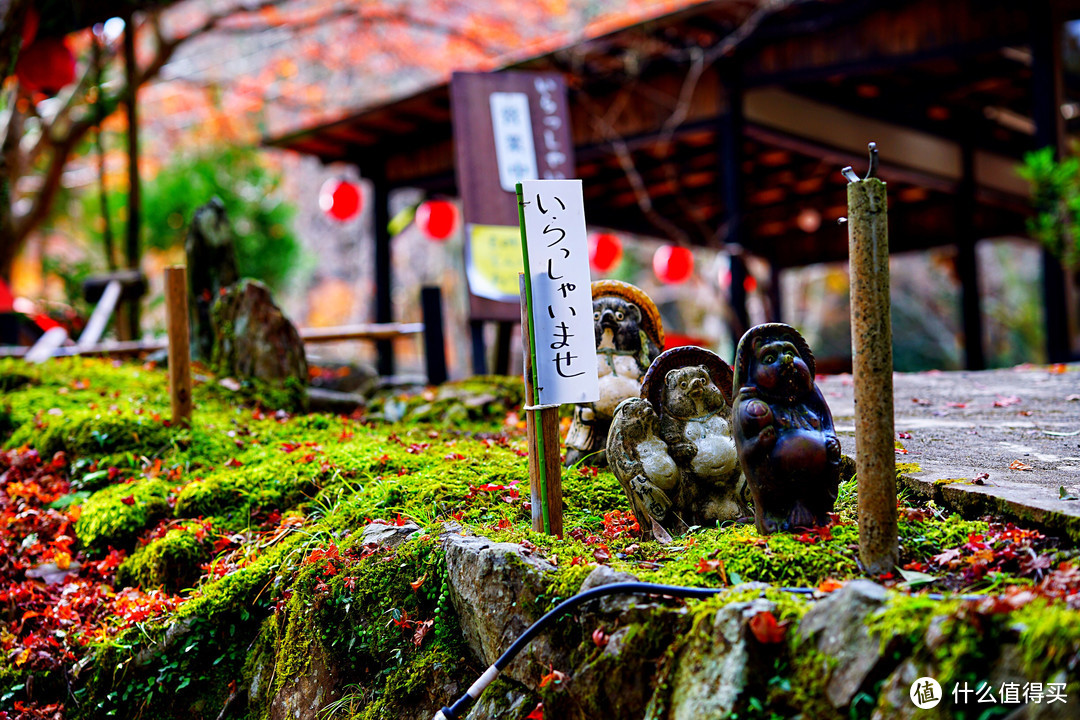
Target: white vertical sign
<point>558,267</point>
<point>514,150</point>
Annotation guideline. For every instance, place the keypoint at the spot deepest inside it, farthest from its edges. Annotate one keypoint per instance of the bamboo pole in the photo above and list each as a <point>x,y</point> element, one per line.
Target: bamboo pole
<point>545,466</point>
<point>176,314</point>
<point>872,366</point>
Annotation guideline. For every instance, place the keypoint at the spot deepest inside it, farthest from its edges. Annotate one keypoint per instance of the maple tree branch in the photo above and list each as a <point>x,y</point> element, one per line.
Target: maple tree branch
<point>384,15</point>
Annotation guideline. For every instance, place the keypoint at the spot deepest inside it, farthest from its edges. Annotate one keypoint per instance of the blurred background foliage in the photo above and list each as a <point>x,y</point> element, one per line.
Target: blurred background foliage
<point>267,248</point>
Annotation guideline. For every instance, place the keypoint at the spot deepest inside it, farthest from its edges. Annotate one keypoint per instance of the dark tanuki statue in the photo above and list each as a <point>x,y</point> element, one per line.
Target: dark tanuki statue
<point>629,336</point>
<point>784,430</point>
<point>672,449</point>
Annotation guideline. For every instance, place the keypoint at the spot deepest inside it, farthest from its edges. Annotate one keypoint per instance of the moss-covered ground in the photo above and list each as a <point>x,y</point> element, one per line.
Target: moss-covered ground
<point>158,572</point>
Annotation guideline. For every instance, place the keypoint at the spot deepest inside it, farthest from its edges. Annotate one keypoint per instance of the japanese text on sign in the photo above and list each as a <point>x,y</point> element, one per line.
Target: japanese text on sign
<point>558,267</point>
<point>554,153</point>
<point>514,150</point>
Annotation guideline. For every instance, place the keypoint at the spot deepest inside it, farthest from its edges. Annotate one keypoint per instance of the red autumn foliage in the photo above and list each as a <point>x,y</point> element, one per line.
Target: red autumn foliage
<point>54,601</point>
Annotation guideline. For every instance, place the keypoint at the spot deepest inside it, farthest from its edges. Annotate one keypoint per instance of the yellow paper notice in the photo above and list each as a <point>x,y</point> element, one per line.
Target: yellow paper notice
<point>494,261</point>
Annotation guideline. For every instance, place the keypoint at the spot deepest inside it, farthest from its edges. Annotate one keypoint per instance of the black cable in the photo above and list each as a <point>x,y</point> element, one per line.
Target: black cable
<point>463,703</point>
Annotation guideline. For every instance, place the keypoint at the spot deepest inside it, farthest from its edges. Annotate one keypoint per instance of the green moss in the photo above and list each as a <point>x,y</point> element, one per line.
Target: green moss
<point>113,517</point>
<point>172,561</point>
<point>1049,637</point>
<point>908,468</point>
<point>89,433</point>
<point>417,685</point>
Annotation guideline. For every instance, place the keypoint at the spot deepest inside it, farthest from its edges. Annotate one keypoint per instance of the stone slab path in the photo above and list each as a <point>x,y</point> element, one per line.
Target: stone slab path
<point>1020,426</point>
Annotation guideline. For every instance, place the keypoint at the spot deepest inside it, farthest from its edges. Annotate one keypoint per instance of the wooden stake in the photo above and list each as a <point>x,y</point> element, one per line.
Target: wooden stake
<point>176,314</point>
<point>545,466</point>
<point>872,366</point>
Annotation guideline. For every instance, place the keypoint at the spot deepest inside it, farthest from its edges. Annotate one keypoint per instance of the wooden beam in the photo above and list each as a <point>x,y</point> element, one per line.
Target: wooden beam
<point>730,132</point>
<point>967,265</point>
<point>1046,68</point>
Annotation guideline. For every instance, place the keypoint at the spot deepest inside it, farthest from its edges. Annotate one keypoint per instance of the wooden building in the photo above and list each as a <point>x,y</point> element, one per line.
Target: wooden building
<point>734,117</point>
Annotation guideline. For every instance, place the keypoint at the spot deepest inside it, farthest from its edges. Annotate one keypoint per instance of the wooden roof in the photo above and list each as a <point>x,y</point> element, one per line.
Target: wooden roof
<point>932,81</point>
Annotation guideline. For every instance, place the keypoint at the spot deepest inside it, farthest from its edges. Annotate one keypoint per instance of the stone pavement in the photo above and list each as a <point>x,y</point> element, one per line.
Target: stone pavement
<point>1019,426</point>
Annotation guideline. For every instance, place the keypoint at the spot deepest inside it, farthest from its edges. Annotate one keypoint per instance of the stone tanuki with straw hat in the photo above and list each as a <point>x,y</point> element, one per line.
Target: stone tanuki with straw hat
<point>672,449</point>
<point>629,336</point>
<point>784,430</point>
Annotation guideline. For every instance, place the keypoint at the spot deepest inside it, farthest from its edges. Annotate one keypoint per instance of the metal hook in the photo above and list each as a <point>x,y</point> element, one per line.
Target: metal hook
<point>850,174</point>
<point>872,148</point>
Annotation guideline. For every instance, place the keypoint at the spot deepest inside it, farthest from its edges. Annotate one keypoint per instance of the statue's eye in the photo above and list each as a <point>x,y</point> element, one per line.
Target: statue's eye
<point>619,316</point>
<point>683,383</point>
<point>770,359</point>
<point>595,316</point>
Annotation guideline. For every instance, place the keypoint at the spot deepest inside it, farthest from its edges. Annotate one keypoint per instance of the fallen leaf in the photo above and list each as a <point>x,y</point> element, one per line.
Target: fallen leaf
<point>829,585</point>
<point>554,677</point>
<point>599,637</point>
<point>129,500</point>
<point>422,630</point>
<point>537,713</point>
<point>1018,465</point>
<point>1064,494</point>
<point>766,629</point>
<point>415,584</point>
<point>705,566</point>
<point>1007,401</point>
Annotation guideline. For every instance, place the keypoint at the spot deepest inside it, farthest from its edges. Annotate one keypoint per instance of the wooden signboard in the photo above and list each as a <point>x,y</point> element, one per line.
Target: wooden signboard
<point>508,127</point>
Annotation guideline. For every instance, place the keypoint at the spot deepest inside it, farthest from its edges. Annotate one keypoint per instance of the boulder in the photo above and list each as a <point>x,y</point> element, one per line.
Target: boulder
<point>714,668</point>
<point>496,590</point>
<point>837,629</point>
<point>254,340</point>
<point>389,536</point>
<point>306,695</point>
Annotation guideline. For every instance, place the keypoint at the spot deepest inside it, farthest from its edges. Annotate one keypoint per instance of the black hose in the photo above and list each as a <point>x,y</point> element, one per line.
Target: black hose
<point>625,588</point>
<point>463,703</point>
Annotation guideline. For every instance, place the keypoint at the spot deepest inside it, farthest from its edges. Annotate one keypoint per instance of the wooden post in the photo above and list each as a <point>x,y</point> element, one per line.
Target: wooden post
<point>871,345</point>
<point>176,317</point>
<point>545,467</point>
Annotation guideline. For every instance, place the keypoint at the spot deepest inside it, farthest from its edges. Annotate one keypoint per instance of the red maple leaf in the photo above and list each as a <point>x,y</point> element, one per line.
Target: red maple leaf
<point>766,629</point>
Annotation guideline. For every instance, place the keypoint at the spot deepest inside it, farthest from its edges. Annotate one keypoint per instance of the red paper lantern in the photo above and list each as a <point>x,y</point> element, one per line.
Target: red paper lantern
<point>340,199</point>
<point>673,264</point>
<point>30,27</point>
<point>46,65</point>
<point>605,252</point>
<point>437,219</point>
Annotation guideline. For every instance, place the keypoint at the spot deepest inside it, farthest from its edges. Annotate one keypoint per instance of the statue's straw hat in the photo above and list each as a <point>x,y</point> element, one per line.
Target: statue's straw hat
<point>771,331</point>
<point>652,386</point>
<point>650,316</point>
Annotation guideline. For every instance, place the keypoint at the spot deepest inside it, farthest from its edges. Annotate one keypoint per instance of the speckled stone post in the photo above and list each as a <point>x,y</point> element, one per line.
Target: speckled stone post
<point>871,345</point>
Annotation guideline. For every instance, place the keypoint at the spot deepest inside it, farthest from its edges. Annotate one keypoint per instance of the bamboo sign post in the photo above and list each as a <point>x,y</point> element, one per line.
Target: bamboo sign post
<point>176,314</point>
<point>872,368</point>
<point>557,329</point>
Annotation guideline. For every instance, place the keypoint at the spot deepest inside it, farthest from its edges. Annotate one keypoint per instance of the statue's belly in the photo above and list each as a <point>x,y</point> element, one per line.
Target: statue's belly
<point>716,453</point>
<point>800,452</point>
<point>613,390</point>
